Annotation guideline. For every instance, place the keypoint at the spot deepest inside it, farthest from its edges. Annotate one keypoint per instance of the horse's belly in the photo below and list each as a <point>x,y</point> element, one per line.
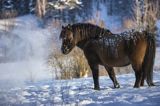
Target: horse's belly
<point>117,62</point>
<point>113,55</point>
<point>116,57</point>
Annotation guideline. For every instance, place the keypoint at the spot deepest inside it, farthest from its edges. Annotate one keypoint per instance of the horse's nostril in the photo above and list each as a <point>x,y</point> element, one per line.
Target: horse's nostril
<point>62,50</point>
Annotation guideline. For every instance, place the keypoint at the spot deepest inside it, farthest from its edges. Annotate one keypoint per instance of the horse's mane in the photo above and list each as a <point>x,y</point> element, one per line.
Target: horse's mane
<point>90,30</point>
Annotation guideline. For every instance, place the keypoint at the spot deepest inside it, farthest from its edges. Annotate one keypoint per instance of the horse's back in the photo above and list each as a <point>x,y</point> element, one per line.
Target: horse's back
<point>118,51</point>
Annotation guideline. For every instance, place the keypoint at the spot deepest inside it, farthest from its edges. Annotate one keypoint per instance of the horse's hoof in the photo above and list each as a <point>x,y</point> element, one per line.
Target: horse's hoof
<point>136,86</point>
<point>117,86</point>
<point>97,88</point>
<point>142,84</point>
<point>151,84</point>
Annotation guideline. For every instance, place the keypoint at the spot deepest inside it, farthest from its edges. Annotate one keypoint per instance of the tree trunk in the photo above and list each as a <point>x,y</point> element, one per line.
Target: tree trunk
<point>41,8</point>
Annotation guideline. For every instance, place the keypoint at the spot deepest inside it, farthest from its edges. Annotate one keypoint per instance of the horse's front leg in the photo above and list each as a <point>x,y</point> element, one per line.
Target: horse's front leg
<point>112,76</point>
<point>95,73</point>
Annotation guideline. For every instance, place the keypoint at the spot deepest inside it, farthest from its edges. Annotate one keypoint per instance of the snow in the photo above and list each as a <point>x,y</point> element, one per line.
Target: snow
<point>65,4</point>
<point>80,92</point>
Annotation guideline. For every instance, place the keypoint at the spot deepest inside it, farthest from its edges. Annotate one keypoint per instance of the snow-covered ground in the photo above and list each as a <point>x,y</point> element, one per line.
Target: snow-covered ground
<point>80,92</point>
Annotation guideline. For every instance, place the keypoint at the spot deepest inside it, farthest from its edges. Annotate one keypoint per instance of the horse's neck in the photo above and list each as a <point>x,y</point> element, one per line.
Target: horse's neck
<point>82,44</point>
<point>86,33</point>
<point>83,35</point>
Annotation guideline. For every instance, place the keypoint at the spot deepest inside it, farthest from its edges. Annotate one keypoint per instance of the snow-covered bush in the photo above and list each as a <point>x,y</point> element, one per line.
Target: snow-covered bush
<point>71,66</point>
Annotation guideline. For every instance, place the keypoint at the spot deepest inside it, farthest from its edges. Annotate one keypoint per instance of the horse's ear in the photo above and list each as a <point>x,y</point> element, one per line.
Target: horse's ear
<point>69,26</point>
<point>109,32</point>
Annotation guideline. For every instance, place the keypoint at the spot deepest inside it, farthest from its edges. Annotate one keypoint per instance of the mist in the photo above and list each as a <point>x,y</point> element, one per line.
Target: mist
<point>24,50</point>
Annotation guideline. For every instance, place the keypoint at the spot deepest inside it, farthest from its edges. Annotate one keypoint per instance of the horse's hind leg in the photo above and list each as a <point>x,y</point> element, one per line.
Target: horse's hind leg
<point>137,57</point>
<point>112,76</point>
<point>143,78</point>
<point>139,76</point>
<point>138,79</point>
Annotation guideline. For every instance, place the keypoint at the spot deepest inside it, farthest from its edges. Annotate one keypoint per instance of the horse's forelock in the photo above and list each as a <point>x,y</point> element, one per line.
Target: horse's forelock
<point>64,29</point>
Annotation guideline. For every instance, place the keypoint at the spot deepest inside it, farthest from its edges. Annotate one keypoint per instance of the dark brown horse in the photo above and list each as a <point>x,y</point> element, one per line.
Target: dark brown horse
<point>101,47</point>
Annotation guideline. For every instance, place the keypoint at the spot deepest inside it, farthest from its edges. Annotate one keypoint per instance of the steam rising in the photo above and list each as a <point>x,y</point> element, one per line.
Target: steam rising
<point>23,52</point>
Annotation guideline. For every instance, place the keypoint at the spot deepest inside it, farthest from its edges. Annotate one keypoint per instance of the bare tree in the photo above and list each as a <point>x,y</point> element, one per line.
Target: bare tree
<point>9,21</point>
<point>146,12</point>
<point>41,8</point>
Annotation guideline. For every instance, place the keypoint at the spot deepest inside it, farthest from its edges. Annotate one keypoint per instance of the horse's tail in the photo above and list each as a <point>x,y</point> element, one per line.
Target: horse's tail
<point>149,59</point>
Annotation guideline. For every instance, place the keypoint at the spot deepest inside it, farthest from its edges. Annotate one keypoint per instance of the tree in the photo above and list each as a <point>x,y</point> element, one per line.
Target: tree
<point>41,8</point>
<point>146,13</point>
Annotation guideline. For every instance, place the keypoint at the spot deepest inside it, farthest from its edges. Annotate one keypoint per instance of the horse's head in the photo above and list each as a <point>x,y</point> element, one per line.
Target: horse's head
<point>68,42</point>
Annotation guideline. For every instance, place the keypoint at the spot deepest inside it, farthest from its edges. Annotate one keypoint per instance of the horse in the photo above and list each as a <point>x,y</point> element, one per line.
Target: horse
<point>102,47</point>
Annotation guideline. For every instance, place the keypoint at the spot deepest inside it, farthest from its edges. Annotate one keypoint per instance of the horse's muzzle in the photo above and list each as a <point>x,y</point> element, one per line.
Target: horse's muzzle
<point>65,50</point>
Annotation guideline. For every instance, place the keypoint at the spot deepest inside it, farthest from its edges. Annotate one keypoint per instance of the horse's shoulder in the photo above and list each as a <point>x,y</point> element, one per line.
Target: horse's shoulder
<point>91,43</point>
